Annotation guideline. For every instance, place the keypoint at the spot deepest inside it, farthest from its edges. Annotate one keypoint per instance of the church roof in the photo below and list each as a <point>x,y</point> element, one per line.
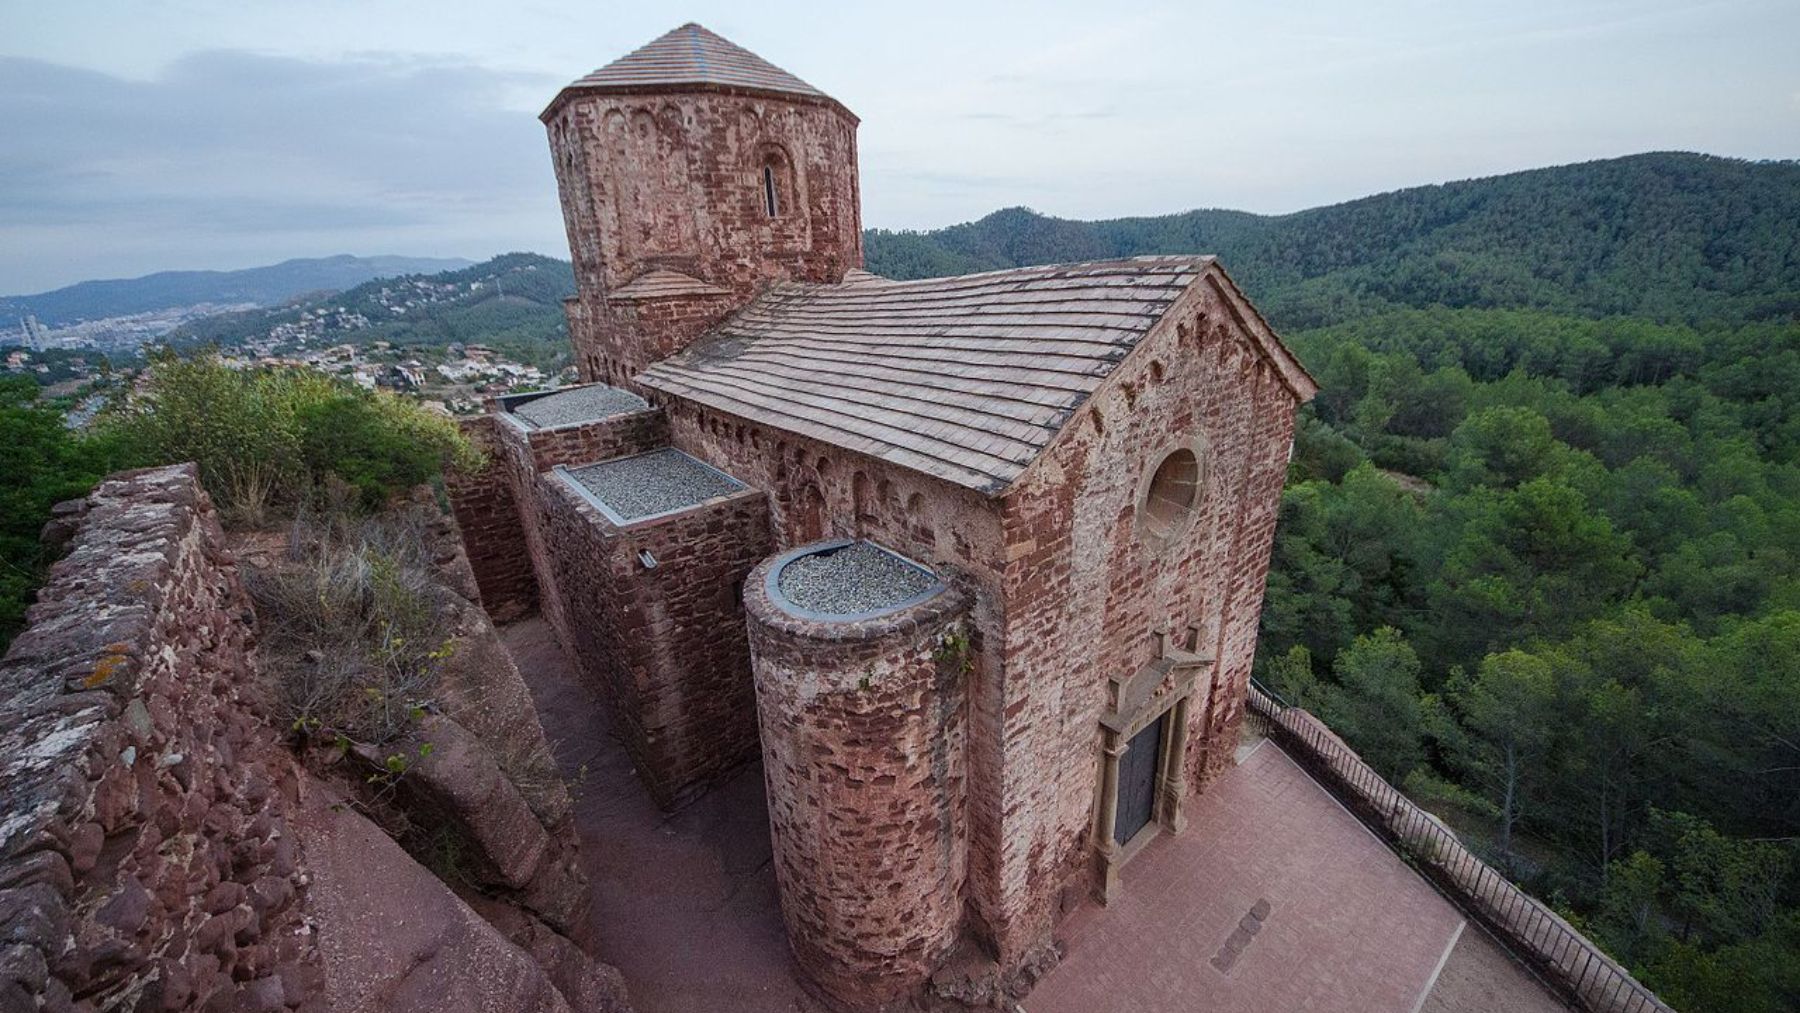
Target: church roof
<point>691,55</point>
<point>966,378</point>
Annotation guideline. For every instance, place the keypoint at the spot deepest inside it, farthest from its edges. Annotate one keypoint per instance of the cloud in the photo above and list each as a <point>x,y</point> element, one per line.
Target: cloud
<point>229,158</point>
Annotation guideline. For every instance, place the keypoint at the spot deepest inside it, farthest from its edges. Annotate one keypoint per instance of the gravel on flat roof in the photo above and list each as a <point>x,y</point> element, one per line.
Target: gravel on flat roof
<point>652,483</point>
<point>581,404</point>
<point>857,578</point>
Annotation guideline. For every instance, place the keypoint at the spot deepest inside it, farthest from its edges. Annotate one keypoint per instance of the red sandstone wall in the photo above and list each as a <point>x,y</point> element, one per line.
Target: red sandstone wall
<point>588,442</point>
<point>1084,594</point>
<point>819,491</point>
<point>863,736</point>
<point>633,333</point>
<point>146,858</point>
<point>485,504</point>
<point>665,647</point>
<point>675,180</point>
<point>500,509</point>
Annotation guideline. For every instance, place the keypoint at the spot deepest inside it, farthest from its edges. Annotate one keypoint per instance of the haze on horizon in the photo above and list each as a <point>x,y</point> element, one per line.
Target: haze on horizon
<point>174,134</point>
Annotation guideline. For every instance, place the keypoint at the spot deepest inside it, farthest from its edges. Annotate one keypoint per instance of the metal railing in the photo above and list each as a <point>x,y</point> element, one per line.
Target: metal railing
<point>1566,959</point>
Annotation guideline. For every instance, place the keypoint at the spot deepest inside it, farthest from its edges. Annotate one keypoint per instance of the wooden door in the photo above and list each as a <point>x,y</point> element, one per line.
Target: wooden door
<point>1137,781</point>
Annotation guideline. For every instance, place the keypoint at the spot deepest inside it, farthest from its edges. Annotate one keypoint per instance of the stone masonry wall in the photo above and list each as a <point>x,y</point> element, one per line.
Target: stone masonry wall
<point>499,508</point>
<point>580,443</point>
<point>486,507</point>
<point>863,735</point>
<point>1086,591</point>
<point>675,180</point>
<point>146,859</point>
<point>819,491</point>
<point>664,646</point>
<point>632,333</point>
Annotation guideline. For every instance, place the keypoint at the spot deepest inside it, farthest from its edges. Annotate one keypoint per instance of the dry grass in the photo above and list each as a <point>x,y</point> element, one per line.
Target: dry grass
<point>354,624</point>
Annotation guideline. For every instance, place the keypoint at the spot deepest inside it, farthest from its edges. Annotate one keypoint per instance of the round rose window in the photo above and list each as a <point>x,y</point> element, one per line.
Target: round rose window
<point>1173,492</point>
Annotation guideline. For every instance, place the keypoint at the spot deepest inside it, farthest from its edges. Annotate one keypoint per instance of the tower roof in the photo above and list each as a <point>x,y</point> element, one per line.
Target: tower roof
<point>691,56</point>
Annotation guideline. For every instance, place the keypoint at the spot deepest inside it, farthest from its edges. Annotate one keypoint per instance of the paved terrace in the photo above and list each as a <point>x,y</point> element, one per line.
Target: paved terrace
<point>685,905</point>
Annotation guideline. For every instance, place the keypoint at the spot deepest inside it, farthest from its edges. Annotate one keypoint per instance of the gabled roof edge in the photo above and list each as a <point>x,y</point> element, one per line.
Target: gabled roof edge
<point>1287,366</point>
<point>1293,373</point>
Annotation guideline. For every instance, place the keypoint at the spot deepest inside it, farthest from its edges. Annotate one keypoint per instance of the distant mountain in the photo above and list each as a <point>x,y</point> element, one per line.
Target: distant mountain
<point>513,300</point>
<point>264,286</point>
<point>1664,236</point>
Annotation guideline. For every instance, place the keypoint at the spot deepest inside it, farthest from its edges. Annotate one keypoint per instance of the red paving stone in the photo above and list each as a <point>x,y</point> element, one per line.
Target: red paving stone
<point>1349,927</point>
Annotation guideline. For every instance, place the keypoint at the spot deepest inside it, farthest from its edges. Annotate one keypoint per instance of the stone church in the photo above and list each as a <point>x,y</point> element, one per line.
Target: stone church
<point>972,566</point>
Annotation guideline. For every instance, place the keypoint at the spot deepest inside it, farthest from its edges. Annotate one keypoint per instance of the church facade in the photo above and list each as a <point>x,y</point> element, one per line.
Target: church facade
<point>973,566</point>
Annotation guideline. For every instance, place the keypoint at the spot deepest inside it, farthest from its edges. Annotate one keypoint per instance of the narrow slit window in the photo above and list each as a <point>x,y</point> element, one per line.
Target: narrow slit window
<point>771,201</point>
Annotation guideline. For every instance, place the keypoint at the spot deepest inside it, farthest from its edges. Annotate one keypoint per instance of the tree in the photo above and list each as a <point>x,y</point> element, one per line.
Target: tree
<point>1507,709</point>
<point>1529,562</point>
<point>44,463</point>
<point>1374,704</point>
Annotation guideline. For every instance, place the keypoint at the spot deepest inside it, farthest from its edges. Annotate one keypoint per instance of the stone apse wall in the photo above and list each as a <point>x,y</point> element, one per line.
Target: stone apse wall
<point>146,854</point>
<point>863,728</point>
<point>675,181</point>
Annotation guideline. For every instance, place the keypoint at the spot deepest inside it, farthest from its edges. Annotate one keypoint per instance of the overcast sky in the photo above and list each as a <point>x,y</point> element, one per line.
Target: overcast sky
<point>143,135</point>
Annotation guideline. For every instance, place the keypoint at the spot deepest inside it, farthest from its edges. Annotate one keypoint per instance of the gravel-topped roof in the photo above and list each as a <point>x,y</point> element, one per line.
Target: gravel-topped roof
<point>965,378</point>
<point>579,404</point>
<point>856,579</point>
<point>653,483</point>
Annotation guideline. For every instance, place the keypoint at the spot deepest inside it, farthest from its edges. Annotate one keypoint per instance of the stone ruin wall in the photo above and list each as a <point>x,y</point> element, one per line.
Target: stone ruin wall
<point>1085,592</point>
<point>863,734</point>
<point>146,855</point>
<point>675,181</point>
<point>161,847</point>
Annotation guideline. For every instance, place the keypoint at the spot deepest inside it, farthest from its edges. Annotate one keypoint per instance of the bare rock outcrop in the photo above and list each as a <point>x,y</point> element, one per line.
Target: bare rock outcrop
<point>396,940</point>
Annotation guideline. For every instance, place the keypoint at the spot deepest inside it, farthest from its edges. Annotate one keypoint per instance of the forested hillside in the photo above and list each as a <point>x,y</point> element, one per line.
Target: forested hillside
<point>512,302</point>
<point>1667,236</point>
<point>1539,555</point>
<point>92,300</point>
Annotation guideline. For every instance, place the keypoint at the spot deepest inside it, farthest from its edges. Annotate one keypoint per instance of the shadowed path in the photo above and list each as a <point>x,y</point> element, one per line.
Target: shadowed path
<point>684,904</point>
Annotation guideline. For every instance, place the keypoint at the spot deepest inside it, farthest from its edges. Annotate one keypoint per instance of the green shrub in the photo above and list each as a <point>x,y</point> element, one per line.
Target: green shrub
<point>43,463</point>
<point>266,439</point>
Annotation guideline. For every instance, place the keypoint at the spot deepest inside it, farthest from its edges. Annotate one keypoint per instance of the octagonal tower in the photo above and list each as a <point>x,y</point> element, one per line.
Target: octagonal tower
<point>692,175</point>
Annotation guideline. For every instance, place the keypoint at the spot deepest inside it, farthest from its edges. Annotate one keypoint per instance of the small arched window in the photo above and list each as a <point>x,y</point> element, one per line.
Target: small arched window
<point>771,192</point>
<point>775,178</point>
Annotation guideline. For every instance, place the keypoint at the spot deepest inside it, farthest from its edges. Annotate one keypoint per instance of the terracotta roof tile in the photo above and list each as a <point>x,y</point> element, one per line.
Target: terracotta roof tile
<point>692,55</point>
<point>966,378</point>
